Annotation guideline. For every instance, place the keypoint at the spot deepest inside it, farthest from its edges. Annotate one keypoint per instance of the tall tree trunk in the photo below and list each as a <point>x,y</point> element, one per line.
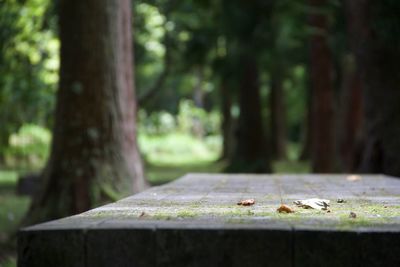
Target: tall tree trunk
<point>278,118</point>
<point>323,92</point>
<point>94,153</point>
<point>307,128</point>
<point>374,27</point>
<point>350,125</point>
<point>198,92</point>
<point>226,125</point>
<point>251,153</point>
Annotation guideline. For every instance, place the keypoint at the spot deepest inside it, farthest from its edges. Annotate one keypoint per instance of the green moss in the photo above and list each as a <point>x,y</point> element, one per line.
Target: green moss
<point>187,214</point>
<point>369,214</point>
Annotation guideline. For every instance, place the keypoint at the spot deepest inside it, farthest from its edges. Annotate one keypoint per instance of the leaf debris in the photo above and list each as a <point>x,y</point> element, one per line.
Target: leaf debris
<point>247,202</point>
<point>284,209</point>
<point>353,178</point>
<point>313,203</point>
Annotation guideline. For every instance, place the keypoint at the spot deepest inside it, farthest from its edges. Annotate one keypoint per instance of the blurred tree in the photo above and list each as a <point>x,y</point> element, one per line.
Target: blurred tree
<point>227,124</point>
<point>278,116</point>
<point>350,115</point>
<point>323,149</point>
<point>305,153</point>
<point>94,153</point>
<point>375,31</point>
<point>245,31</point>
<point>251,151</point>
<point>277,98</point>
<point>348,94</point>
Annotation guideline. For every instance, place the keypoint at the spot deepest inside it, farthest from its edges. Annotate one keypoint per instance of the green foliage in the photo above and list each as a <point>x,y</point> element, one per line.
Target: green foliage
<point>190,120</point>
<point>190,115</point>
<point>29,65</point>
<point>8,178</point>
<point>149,31</point>
<point>30,146</point>
<point>179,148</point>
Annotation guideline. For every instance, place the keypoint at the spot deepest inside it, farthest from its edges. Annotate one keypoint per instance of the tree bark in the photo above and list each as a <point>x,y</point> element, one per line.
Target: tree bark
<point>350,125</point>
<point>94,152</point>
<point>251,154</point>
<point>308,127</point>
<point>227,121</point>
<point>374,28</point>
<point>323,93</point>
<point>278,118</point>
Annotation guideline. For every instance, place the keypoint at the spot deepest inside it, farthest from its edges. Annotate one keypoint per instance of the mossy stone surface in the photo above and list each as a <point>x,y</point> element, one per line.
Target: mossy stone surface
<point>195,221</point>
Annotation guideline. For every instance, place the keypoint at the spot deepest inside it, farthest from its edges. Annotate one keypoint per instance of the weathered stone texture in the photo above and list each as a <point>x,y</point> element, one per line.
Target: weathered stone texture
<point>195,221</point>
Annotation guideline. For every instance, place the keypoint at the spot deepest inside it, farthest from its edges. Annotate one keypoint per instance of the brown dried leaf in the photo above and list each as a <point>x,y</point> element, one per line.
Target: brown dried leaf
<point>284,209</point>
<point>247,202</point>
<point>142,214</point>
<point>352,215</point>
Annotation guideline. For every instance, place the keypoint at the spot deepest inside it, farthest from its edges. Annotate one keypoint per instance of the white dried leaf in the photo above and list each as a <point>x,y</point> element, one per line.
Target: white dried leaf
<point>353,178</point>
<point>313,203</point>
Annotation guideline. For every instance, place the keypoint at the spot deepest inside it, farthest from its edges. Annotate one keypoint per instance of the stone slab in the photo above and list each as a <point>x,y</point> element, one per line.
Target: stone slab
<point>195,221</point>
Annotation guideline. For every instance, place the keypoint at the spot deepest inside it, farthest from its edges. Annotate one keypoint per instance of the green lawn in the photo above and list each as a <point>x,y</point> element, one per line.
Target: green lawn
<point>12,209</point>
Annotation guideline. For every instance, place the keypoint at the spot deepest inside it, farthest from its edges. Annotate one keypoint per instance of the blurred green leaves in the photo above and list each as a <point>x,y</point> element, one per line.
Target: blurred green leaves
<point>28,64</point>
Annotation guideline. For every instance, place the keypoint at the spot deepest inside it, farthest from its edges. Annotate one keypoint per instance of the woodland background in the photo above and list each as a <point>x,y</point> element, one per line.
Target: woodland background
<point>216,86</point>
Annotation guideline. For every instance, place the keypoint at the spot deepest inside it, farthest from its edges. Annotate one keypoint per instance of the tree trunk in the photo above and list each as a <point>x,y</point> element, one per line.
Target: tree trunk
<point>307,126</point>
<point>351,107</point>
<point>227,123</point>
<point>278,118</point>
<point>374,27</point>
<point>323,92</point>
<point>94,152</point>
<point>251,154</point>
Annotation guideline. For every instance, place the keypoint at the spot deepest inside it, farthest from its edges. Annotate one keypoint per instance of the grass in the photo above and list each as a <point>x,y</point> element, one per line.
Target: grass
<point>13,208</point>
<point>8,179</point>
<point>291,167</point>
<point>162,173</point>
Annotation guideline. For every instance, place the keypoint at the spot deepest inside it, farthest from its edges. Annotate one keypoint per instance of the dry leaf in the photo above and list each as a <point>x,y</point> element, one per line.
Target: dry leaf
<point>353,178</point>
<point>352,215</point>
<point>313,203</point>
<point>340,200</point>
<point>284,209</point>
<point>246,202</point>
<point>142,214</point>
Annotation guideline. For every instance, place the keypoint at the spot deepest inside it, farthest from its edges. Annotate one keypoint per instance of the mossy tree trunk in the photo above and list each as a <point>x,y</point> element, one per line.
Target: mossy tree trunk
<point>323,148</point>
<point>375,32</point>
<point>94,155</point>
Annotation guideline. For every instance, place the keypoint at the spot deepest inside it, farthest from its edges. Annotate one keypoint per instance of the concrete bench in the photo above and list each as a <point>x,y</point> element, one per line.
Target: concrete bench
<point>195,221</point>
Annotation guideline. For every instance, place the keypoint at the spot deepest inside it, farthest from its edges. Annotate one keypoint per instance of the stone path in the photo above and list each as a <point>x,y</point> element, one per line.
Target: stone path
<point>195,221</point>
